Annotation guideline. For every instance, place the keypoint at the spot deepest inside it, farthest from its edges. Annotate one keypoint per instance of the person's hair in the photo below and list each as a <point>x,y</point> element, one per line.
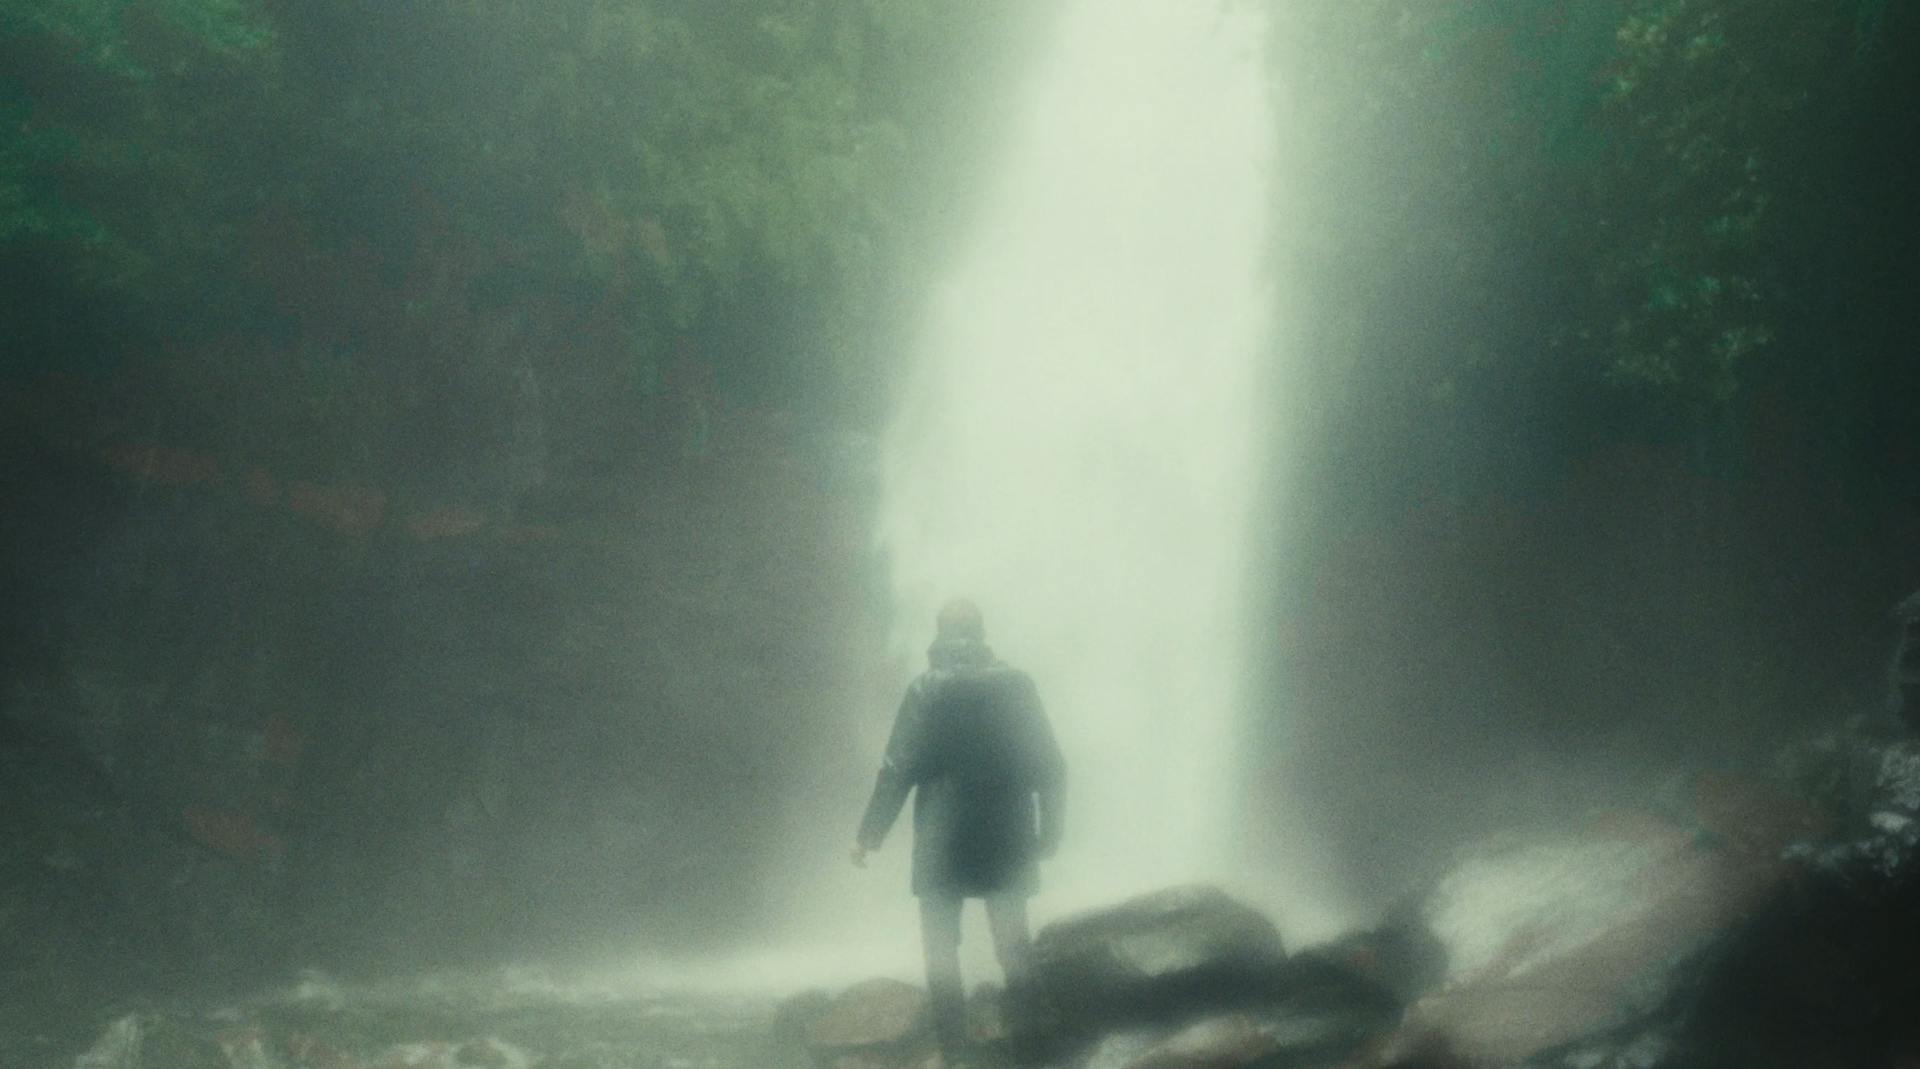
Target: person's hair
<point>960,618</point>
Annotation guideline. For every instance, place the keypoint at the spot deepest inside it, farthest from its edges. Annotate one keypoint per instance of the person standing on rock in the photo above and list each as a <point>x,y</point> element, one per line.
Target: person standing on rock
<point>972,740</point>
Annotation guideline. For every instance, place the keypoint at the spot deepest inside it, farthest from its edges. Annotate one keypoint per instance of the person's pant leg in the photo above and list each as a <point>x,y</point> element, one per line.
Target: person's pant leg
<point>946,994</point>
<point>1007,920</point>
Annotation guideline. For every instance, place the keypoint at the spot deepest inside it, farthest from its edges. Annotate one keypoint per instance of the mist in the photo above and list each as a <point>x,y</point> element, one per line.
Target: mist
<point>1077,447</point>
<point>480,480</point>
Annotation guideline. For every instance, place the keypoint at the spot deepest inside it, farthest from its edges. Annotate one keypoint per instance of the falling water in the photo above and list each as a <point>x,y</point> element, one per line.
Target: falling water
<point>1078,448</point>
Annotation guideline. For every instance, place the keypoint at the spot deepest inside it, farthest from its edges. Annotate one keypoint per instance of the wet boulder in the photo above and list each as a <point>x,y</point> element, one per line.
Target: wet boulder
<point>1158,958</point>
<point>1554,940</point>
<point>872,1025</point>
<point>1228,1041</point>
<point>1119,1048</point>
<point>1759,925</point>
<point>1832,958</point>
<point>1292,1036</point>
<point>152,1041</point>
<point>1384,968</point>
<point>1876,792</point>
<point>795,1016</point>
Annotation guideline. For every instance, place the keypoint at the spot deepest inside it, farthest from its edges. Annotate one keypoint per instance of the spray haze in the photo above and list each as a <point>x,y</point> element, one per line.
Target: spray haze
<point>1077,448</point>
<point>479,477</point>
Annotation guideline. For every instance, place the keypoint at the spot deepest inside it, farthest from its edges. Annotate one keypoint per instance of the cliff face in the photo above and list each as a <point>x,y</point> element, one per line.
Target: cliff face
<point>436,485</point>
<point>254,721</point>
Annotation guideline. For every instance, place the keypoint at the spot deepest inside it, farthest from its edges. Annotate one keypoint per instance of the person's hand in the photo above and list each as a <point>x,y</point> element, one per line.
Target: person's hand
<point>858,855</point>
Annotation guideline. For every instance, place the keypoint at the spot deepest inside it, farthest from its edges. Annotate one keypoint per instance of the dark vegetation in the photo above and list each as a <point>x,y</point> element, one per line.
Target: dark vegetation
<point>436,439</point>
<point>1602,405</point>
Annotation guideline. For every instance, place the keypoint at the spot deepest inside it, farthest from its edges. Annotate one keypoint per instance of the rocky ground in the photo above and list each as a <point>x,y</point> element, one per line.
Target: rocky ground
<point>448,1026</point>
<point>1739,921</point>
<point>1750,922</point>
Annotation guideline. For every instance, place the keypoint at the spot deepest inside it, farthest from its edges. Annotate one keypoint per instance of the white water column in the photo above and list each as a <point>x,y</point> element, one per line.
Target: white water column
<point>1078,448</point>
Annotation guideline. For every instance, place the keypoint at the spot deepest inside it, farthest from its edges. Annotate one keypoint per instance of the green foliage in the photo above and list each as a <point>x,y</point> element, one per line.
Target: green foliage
<point>29,205</point>
<point>1602,375</point>
<point>1704,107</point>
<point>455,192</point>
<point>1620,168</point>
<point>103,104</point>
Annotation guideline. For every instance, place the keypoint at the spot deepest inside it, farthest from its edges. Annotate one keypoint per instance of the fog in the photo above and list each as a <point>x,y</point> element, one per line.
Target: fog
<point>1076,449</point>
<point>479,480</point>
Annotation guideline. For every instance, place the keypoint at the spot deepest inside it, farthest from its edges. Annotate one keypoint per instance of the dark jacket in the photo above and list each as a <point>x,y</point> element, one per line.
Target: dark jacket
<point>972,739</point>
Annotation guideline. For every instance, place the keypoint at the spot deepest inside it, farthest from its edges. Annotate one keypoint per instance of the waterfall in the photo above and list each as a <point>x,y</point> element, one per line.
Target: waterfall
<point>1077,448</point>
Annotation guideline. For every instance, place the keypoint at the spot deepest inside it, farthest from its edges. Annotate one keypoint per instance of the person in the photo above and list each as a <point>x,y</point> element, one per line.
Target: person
<point>972,740</point>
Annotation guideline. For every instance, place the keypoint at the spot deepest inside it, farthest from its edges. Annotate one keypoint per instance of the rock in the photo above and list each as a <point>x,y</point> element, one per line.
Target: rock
<point>1157,937</point>
<point>1651,1050</point>
<point>1832,959</point>
<point>794,1017</point>
<point>148,1041</point>
<point>1327,1033</point>
<point>1388,967</point>
<point>1556,940</point>
<point>1767,928</point>
<point>492,1053</point>
<point>117,1048</point>
<point>416,1055</point>
<point>1159,958</point>
<point>1227,1042</point>
<point>1872,784</point>
<point>1121,1048</point>
<point>579,1060</point>
<point>1753,815</point>
<point>1412,1052</point>
<point>308,1050</point>
<point>875,1023</point>
<point>1277,1036</point>
<point>869,1060</point>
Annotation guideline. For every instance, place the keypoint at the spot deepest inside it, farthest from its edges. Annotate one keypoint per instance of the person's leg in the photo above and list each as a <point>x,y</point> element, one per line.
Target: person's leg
<point>946,995</point>
<point>1007,920</point>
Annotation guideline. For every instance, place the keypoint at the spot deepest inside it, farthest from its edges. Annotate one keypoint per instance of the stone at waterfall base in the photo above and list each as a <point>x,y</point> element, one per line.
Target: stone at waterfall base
<point>1186,978</point>
<point>1756,925</point>
<point>876,1024</point>
<point>1155,958</point>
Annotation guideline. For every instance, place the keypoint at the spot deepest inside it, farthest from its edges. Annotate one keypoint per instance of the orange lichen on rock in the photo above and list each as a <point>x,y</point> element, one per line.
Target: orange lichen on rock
<point>350,510</point>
